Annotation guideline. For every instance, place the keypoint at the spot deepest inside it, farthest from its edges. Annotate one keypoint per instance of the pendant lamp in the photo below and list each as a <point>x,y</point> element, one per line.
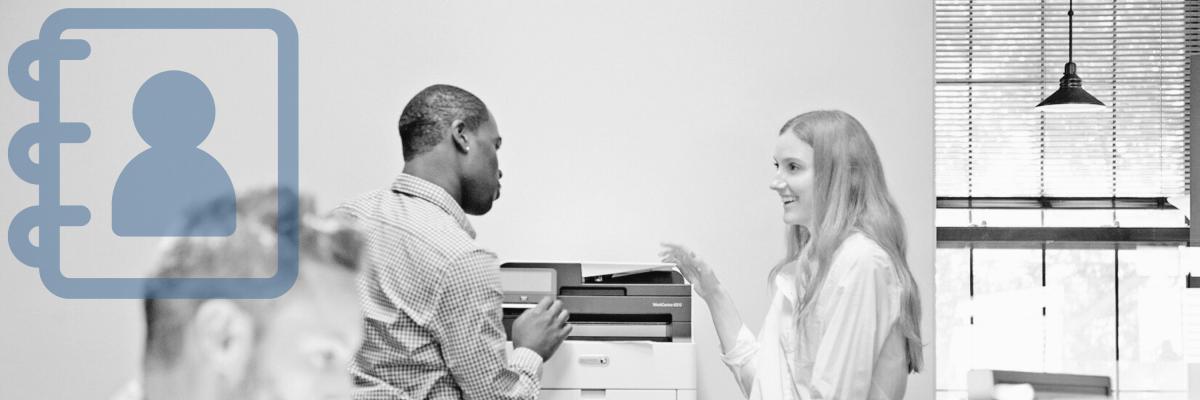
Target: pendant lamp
<point>1070,96</point>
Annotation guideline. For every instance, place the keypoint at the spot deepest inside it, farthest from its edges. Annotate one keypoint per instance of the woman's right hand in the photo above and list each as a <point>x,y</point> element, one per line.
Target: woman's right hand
<point>696,271</point>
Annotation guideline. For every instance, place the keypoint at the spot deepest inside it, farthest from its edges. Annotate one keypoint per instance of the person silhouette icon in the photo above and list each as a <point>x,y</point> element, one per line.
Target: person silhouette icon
<point>173,112</point>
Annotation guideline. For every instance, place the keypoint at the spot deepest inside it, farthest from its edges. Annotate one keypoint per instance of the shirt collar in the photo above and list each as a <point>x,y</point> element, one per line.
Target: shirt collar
<point>425,190</point>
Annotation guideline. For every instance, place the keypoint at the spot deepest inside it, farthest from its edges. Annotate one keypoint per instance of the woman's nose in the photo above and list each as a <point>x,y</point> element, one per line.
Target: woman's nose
<point>776,185</point>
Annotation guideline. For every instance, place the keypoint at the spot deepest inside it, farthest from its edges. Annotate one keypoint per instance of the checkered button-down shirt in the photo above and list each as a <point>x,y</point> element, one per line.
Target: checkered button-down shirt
<point>432,303</point>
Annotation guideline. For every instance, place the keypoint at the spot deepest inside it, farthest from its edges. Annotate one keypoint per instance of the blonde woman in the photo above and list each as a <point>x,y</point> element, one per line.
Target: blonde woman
<point>844,319</point>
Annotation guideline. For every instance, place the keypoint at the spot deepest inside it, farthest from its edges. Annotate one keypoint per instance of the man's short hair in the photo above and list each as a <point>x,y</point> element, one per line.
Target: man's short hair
<point>430,113</point>
<point>251,251</point>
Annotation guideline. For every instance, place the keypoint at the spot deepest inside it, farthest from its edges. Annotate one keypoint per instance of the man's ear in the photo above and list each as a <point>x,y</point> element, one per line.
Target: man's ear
<point>225,336</point>
<point>458,134</point>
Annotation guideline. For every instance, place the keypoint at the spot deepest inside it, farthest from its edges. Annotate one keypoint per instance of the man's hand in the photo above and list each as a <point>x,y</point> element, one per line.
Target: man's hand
<point>542,328</point>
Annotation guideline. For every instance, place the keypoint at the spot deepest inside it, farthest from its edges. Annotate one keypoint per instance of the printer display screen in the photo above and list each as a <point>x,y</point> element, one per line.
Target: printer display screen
<point>522,280</point>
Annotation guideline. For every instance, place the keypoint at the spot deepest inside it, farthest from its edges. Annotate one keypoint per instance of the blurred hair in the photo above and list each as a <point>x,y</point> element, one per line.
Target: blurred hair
<point>251,251</point>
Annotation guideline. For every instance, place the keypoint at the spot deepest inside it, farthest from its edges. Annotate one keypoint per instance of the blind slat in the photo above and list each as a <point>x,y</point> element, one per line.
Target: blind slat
<point>995,59</point>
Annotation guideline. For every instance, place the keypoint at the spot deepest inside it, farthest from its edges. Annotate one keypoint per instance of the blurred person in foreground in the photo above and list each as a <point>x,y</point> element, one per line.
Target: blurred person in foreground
<point>293,347</point>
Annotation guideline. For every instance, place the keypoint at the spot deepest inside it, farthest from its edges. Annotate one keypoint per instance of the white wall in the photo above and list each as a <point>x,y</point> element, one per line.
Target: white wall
<point>626,123</point>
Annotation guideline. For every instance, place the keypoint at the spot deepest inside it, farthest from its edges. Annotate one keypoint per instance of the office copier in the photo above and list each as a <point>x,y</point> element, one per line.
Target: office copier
<point>632,328</point>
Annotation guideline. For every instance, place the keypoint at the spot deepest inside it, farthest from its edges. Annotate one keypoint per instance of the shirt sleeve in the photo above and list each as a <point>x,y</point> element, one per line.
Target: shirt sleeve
<point>470,332</point>
<point>375,389</point>
<point>742,360</point>
<point>862,311</point>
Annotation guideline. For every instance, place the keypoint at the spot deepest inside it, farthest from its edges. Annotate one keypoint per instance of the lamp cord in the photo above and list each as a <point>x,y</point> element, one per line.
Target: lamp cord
<point>1071,31</point>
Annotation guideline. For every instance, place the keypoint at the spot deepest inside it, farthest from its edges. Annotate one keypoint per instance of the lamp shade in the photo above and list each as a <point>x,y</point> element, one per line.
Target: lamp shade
<point>1070,96</point>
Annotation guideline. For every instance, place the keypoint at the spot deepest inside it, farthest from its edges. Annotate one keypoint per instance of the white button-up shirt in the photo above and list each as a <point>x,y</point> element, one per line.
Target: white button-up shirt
<point>847,345</point>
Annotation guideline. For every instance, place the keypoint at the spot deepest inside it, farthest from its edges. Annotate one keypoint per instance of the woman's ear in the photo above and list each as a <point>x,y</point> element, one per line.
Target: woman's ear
<point>458,133</point>
<point>224,333</point>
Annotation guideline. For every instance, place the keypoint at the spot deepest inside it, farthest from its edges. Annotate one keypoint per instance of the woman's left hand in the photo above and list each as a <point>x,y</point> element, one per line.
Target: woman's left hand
<point>697,272</point>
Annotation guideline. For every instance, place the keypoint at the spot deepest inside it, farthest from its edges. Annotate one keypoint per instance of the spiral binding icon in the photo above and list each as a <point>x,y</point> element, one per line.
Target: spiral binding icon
<point>49,216</point>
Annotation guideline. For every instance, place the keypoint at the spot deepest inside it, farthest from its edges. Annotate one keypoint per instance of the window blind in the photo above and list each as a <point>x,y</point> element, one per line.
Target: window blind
<point>996,59</point>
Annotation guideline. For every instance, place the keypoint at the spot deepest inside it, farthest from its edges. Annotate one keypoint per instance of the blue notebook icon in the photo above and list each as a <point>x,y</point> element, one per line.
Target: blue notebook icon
<point>173,113</point>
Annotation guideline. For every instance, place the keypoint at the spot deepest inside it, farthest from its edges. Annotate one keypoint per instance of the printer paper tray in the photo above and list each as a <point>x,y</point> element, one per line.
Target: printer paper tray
<point>621,365</point>
<point>608,331</point>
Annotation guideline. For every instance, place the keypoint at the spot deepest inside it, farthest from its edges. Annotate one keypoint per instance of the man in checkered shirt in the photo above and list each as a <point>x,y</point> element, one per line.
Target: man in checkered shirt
<point>431,296</point>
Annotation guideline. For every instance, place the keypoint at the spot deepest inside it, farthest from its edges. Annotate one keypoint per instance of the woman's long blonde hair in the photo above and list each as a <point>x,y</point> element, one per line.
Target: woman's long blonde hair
<point>849,195</point>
